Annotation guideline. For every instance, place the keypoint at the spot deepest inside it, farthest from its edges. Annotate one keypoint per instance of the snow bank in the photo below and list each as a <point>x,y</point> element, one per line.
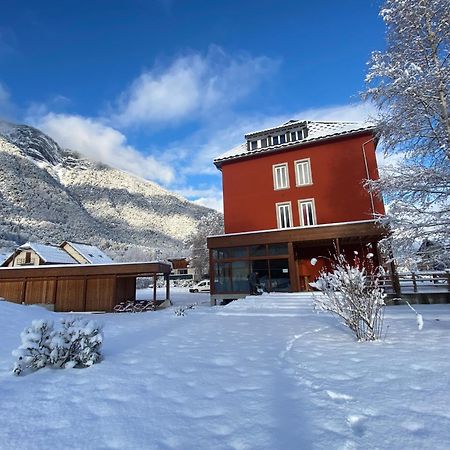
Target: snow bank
<point>261,373</point>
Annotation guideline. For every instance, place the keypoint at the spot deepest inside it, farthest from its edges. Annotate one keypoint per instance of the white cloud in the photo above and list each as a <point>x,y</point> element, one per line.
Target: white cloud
<point>218,137</point>
<point>211,202</point>
<point>6,105</point>
<point>189,87</point>
<point>355,112</point>
<point>102,143</point>
<point>211,196</point>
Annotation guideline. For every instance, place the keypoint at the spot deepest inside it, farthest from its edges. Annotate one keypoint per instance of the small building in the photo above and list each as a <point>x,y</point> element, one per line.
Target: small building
<point>181,269</point>
<point>85,254</point>
<point>35,254</point>
<point>292,193</point>
<point>78,287</point>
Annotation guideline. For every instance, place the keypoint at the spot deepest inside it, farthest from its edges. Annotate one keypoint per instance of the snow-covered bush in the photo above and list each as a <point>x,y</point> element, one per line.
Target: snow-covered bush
<point>76,344</point>
<point>181,310</point>
<point>354,295</point>
<point>34,353</point>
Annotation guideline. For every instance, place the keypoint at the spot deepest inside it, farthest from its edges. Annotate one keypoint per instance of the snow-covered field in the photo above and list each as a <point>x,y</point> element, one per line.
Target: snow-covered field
<point>261,373</point>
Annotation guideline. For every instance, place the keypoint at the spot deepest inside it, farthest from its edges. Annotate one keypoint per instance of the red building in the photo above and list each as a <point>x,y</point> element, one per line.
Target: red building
<point>293,193</point>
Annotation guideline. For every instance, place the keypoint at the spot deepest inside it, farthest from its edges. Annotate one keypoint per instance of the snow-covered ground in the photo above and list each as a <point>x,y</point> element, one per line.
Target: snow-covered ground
<point>261,373</point>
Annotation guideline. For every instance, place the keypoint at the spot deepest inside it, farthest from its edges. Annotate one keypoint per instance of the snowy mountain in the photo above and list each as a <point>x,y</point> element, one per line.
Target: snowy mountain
<point>50,194</point>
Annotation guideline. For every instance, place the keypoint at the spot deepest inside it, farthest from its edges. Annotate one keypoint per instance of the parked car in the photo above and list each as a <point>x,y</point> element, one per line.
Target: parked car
<point>202,286</point>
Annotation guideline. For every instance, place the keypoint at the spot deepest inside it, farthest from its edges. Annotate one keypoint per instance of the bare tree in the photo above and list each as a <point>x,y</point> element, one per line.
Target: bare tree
<point>409,84</point>
<point>209,225</point>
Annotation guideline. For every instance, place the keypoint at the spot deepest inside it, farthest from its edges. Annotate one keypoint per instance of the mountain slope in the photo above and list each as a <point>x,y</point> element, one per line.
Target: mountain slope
<point>51,194</point>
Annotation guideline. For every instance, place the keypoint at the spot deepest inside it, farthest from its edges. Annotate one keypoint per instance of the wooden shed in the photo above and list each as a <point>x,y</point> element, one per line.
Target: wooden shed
<point>81,287</point>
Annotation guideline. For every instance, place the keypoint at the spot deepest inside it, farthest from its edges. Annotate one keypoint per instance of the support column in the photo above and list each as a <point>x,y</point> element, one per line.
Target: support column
<point>394,275</point>
<point>167,278</point>
<point>293,275</point>
<point>211,273</point>
<point>154,287</point>
<point>337,245</point>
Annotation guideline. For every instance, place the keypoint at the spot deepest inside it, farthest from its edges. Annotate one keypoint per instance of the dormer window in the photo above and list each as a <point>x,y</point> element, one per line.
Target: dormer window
<point>270,140</point>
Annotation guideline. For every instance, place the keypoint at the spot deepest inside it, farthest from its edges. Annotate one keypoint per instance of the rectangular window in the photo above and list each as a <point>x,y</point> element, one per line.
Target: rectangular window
<point>303,172</point>
<point>280,176</point>
<point>278,249</point>
<point>263,142</point>
<point>284,215</point>
<point>293,136</point>
<point>307,212</point>
<point>258,250</point>
<point>275,140</point>
<point>282,139</point>
<point>254,145</point>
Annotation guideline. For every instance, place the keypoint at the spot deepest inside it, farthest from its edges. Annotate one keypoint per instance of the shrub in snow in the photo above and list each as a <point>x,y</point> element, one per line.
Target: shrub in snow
<point>76,344</point>
<point>355,296</point>
<point>181,310</point>
<point>34,353</point>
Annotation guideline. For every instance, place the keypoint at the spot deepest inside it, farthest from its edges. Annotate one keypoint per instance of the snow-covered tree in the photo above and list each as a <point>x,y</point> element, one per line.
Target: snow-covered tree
<point>354,294</point>
<point>209,225</point>
<point>409,84</point>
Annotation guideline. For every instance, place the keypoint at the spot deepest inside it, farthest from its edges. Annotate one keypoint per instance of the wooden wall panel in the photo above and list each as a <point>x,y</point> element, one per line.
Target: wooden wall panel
<point>40,291</point>
<point>126,289</point>
<point>12,290</point>
<point>100,294</point>
<point>70,295</point>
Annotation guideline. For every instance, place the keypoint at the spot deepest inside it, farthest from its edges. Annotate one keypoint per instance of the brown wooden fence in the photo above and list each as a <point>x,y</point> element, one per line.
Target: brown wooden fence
<point>416,282</point>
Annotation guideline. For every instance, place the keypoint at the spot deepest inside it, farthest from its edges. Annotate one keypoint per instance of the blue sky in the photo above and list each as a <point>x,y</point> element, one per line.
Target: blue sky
<point>159,88</point>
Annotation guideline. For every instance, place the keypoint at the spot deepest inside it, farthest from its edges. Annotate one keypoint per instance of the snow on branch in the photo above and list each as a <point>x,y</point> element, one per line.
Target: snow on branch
<point>76,344</point>
<point>353,294</point>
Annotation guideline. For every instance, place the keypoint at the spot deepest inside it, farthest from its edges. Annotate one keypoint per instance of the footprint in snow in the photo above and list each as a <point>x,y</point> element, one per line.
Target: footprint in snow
<point>356,424</point>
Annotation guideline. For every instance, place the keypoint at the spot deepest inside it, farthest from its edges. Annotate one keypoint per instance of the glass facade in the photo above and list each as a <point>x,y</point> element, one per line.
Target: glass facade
<point>233,265</point>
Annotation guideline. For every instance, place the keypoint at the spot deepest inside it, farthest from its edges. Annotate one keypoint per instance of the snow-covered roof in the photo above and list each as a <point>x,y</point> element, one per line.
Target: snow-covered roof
<point>317,130</point>
<point>4,257</point>
<point>49,253</point>
<point>90,252</point>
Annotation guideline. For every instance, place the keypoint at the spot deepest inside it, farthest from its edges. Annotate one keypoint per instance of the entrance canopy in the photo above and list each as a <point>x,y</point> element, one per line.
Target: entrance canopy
<point>278,256</point>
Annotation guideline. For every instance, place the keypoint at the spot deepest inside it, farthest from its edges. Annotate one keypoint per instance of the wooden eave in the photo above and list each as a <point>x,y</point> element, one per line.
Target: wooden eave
<point>363,230</point>
<point>85,270</point>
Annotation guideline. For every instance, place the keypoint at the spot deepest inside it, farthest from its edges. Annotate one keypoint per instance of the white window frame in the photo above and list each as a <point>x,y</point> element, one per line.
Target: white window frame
<point>276,187</point>
<point>278,212</point>
<point>298,164</point>
<point>300,212</point>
